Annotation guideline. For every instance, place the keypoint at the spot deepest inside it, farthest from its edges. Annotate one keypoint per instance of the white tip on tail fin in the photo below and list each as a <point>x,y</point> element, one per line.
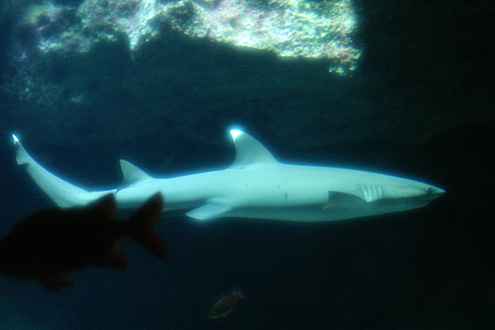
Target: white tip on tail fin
<point>21,156</point>
<point>63,193</point>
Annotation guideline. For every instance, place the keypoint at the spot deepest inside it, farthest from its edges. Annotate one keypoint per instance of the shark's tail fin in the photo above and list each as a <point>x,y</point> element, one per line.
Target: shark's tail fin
<point>21,155</point>
<point>63,193</point>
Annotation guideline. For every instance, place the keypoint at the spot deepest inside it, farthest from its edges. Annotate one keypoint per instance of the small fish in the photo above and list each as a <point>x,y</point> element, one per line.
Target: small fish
<point>48,244</point>
<point>225,305</point>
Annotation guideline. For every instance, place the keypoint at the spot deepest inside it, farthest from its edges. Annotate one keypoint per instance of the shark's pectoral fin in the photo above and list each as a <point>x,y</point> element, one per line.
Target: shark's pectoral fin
<point>209,211</point>
<point>338,199</point>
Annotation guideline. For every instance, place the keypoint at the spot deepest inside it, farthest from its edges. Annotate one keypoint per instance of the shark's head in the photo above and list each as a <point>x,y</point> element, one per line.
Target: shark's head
<point>433,192</point>
<point>398,195</point>
<point>422,191</point>
<point>414,194</point>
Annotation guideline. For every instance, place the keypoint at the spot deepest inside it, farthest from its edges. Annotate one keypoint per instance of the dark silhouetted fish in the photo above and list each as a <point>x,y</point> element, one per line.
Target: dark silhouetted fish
<point>48,244</point>
<point>225,305</point>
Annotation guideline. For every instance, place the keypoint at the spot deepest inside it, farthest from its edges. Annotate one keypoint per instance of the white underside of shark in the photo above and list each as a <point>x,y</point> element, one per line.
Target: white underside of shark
<point>256,185</point>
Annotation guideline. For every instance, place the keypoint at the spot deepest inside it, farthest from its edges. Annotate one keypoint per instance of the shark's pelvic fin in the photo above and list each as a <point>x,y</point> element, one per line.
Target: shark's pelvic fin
<point>211,210</point>
<point>132,174</point>
<point>249,151</point>
<point>63,193</point>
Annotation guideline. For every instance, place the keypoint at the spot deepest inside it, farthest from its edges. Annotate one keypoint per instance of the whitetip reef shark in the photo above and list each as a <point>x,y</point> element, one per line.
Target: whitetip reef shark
<point>256,185</point>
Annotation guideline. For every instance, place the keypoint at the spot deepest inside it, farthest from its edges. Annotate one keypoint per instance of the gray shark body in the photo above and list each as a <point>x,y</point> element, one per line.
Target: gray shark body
<point>256,185</point>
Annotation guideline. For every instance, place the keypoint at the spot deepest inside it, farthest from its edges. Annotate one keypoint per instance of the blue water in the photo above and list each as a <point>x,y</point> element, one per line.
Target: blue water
<point>430,268</point>
<point>363,274</point>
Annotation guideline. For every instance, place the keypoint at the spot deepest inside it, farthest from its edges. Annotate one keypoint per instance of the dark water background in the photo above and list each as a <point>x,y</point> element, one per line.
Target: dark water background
<point>431,267</point>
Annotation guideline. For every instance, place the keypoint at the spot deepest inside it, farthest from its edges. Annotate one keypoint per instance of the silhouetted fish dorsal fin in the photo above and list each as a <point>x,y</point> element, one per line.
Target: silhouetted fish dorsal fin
<point>132,174</point>
<point>249,151</point>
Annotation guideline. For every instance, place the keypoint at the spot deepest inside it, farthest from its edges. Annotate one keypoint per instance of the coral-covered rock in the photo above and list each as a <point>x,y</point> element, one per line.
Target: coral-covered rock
<point>110,70</point>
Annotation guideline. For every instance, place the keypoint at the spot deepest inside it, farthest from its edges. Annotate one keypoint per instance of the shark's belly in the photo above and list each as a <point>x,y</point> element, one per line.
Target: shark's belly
<point>315,213</point>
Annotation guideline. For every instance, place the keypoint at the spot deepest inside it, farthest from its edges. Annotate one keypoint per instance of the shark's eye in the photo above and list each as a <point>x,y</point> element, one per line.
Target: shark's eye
<point>429,190</point>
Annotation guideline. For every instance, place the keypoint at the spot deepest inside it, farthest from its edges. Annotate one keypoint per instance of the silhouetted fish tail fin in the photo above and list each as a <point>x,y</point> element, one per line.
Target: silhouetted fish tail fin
<point>141,226</point>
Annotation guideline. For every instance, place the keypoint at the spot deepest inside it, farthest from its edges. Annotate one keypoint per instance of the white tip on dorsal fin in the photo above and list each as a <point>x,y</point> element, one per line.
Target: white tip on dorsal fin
<point>249,150</point>
<point>132,173</point>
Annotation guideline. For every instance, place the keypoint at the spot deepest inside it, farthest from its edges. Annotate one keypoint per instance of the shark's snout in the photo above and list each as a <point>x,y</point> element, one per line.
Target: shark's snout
<point>431,192</point>
<point>417,190</point>
<point>434,191</point>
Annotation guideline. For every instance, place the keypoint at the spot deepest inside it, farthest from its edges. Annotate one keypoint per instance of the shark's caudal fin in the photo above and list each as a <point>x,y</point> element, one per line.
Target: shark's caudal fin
<point>63,193</point>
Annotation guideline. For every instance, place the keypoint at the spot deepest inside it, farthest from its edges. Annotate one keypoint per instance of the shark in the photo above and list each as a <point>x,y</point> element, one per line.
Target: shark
<point>256,185</point>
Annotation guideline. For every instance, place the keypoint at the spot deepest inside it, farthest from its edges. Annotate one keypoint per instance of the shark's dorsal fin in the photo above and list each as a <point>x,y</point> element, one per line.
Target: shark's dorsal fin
<point>249,151</point>
<point>132,173</point>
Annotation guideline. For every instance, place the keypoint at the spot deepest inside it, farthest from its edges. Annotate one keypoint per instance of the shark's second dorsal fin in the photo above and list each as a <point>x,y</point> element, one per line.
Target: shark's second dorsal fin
<point>132,173</point>
<point>249,150</point>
